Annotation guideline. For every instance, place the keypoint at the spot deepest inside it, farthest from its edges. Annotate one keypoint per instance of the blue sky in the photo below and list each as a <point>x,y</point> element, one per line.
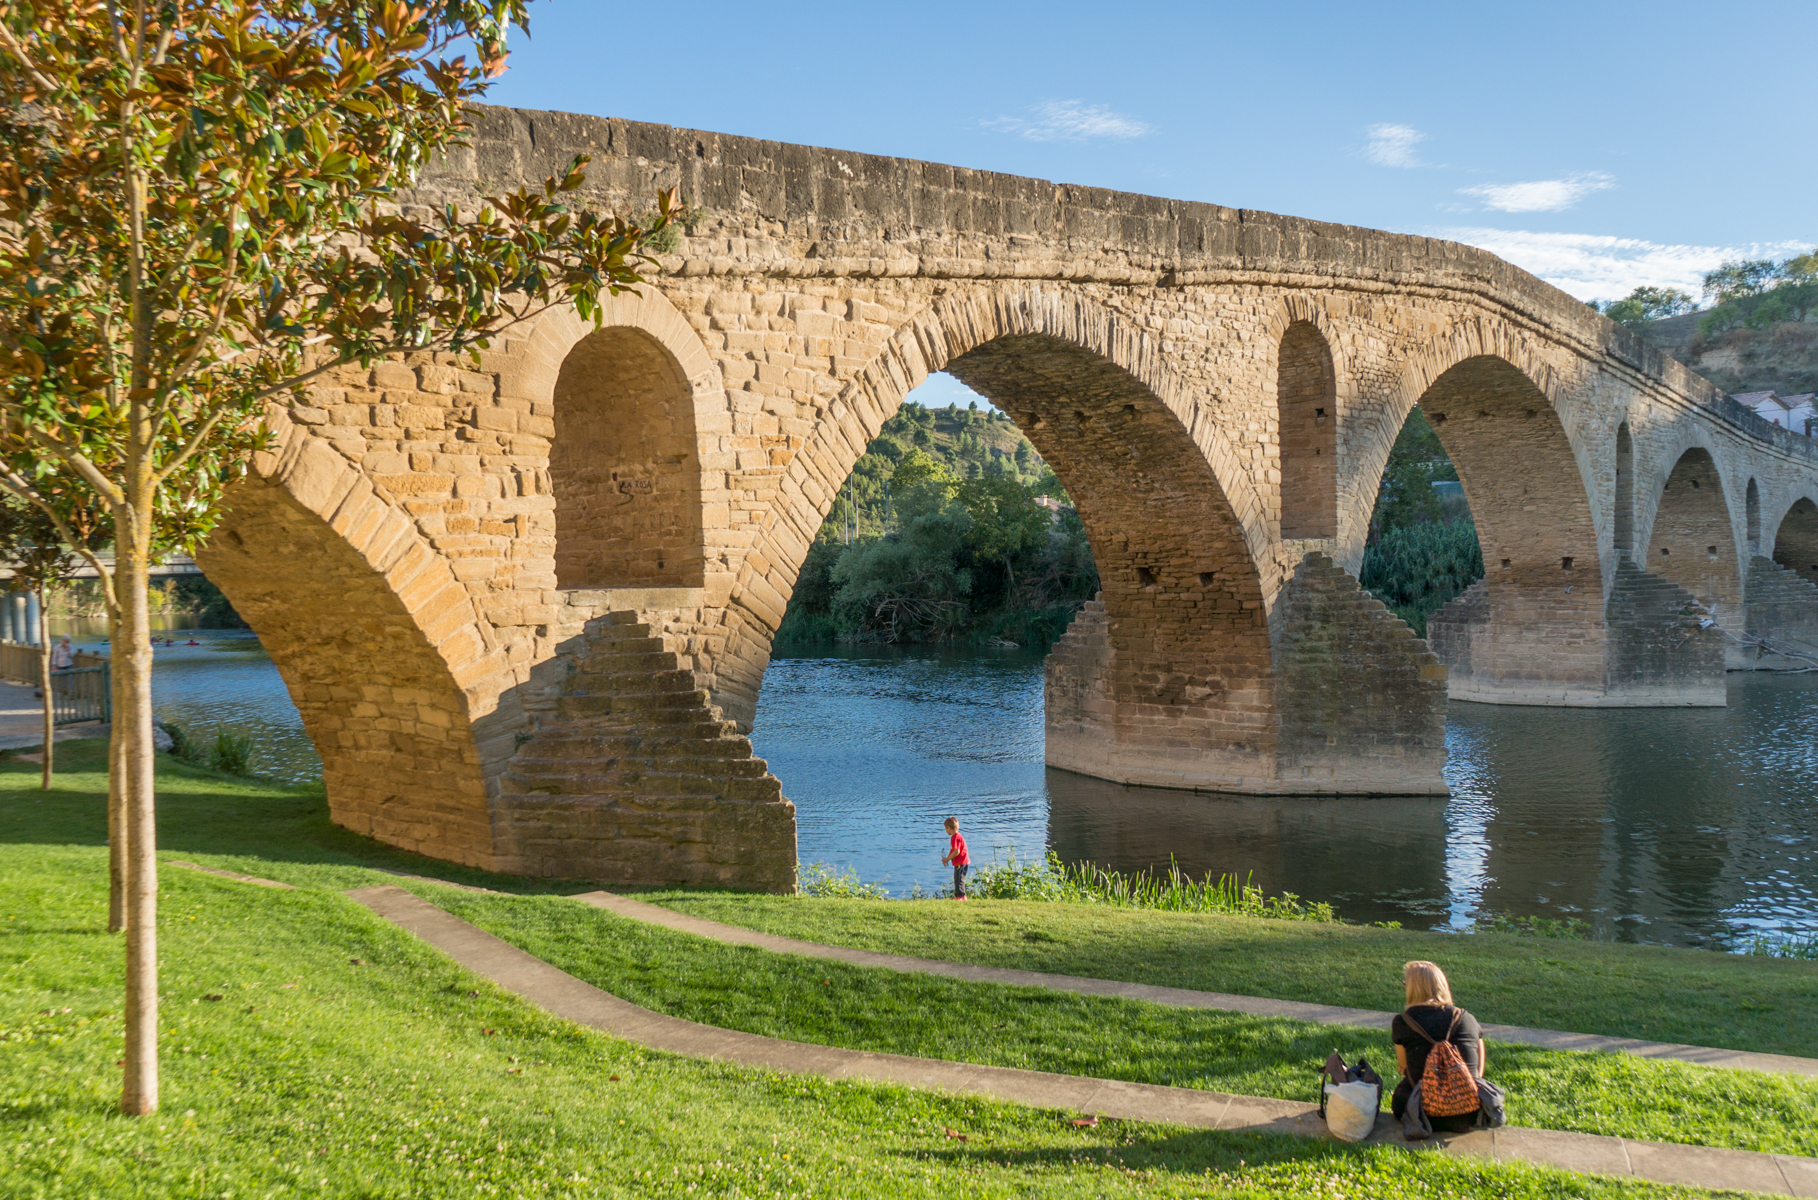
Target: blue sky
<point>1601,146</point>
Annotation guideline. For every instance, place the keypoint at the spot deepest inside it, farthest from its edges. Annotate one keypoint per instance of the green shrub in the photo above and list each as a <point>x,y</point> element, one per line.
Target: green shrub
<point>1547,927</point>
<point>232,753</point>
<point>822,881</point>
<point>1418,569</point>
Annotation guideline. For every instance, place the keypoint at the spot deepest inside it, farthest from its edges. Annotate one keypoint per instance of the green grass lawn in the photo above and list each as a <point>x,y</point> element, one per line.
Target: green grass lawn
<point>1700,997</point>
<point>290,1069</point>
<point>872,1009</point>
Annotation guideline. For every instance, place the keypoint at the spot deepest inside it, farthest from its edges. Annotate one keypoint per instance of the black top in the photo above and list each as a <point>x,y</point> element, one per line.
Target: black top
<point>1468,1037</point>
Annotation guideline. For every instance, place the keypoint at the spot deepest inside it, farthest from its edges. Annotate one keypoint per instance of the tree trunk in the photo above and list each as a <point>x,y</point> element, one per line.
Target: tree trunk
<point>116,794</point>
<point>44,684</point>
<point>133,733</point>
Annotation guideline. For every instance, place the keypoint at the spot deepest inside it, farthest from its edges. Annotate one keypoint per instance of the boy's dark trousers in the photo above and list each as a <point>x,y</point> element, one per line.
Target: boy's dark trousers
<point>959,879</point>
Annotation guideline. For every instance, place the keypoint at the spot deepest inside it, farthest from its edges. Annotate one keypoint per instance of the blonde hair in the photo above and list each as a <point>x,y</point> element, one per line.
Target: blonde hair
<point>1426,984</point>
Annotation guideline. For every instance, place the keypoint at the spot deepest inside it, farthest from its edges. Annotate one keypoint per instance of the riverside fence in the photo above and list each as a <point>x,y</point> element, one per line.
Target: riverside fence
<point>84,693</point>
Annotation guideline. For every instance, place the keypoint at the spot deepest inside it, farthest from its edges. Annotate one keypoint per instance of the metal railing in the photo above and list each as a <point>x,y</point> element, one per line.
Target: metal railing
<point>83,693</point>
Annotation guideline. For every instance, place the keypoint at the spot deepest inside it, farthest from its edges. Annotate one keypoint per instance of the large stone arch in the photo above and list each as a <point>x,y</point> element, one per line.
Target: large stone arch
<point>1530,384</point>
<point>1120,357</point>
<point>1692,536</point>
<point>376,639</point>
<point>1533,630</point>
<point>1795,545</point>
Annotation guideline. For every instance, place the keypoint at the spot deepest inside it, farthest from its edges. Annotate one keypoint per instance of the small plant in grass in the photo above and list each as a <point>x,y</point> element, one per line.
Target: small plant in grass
<point>231,753</point>
<point>1784,946</point>
<point>823,881</point>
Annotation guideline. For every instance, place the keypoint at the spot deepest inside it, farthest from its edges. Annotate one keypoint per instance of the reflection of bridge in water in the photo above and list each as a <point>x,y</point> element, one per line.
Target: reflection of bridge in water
<point>525,607</point>
<point>1689,827</point>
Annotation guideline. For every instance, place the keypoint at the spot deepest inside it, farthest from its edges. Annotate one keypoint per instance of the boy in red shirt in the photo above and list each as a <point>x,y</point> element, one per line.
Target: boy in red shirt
<point>956,854</point>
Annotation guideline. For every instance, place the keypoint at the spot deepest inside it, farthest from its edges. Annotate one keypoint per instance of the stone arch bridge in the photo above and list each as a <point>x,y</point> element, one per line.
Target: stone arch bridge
<point>526,606</point>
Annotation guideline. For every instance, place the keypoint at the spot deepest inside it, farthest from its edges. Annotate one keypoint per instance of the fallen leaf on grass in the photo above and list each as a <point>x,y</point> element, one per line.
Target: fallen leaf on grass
<point>956,1135</point>
<point>1085,1122</point>
<point>358,962</point>
<point>613,1078</point>
<point>488,1032</point>
<point>214,996</point>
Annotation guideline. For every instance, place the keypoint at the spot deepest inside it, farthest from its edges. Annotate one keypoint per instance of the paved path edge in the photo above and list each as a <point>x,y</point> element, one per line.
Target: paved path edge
<point>572,999</point>
<point>1324,1014</point>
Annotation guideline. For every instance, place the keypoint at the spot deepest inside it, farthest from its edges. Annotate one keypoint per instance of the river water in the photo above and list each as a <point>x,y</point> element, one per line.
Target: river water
<point>1683,826</point>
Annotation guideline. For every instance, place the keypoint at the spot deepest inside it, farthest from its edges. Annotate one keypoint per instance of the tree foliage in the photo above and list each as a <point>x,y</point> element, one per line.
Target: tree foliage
<point>1759,293</point>
<point>199,214</point>
<point>1648,304</point>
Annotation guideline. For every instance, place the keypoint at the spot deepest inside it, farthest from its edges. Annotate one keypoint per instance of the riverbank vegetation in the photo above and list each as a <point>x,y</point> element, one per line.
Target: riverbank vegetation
<point>191,596</point>
<point>950,529</point>
<point>314,1049</point>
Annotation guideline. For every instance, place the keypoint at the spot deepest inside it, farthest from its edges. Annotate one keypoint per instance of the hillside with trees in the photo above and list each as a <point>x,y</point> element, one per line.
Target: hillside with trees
<point>951,528</point>
<point>1757,332</point>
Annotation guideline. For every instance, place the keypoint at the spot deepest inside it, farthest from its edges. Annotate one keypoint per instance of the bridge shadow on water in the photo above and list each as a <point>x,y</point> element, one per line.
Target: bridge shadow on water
<point>1376,858</point>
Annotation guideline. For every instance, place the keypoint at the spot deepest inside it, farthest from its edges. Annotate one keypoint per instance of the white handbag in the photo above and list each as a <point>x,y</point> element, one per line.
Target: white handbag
<point>1351,1109</point>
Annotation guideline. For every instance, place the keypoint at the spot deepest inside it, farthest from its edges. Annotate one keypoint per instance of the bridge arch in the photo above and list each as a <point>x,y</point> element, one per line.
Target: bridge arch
<point>630,400</point>
<point>1752,517</point>
<point>1625,491</point>
<point>1796,539</point>
<point>1692,536</point>
<point>1181,537</point>
<point>377,641</point>
<point>1307,414</point>
<point>1503,362</point>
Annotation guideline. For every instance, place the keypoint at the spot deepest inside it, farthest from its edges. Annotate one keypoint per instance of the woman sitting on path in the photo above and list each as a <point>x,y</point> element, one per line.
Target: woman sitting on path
<point>1431,1018</point>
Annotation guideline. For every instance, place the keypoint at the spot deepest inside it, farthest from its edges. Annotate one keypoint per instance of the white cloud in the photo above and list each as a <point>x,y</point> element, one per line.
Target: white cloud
<point>1071,121</point>
<point>1393,145</point>
<point>1596,267</point>
<point>1541,195</point>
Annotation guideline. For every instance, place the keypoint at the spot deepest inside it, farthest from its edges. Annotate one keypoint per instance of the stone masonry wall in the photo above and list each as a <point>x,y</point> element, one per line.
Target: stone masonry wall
<point>1138,341</point>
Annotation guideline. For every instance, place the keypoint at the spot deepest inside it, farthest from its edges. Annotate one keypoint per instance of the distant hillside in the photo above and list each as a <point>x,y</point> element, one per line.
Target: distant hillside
<point>968,442</point>
<point>1782,358</point>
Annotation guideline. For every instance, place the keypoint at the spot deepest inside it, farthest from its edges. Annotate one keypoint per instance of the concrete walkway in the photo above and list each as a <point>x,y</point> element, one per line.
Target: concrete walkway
<point>570,998</point>
<point>22,720</point>
<point>1324,1014</point>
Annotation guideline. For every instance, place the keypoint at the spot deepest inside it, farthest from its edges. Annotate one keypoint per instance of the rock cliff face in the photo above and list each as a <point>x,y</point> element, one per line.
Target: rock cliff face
<point>1782,358</point>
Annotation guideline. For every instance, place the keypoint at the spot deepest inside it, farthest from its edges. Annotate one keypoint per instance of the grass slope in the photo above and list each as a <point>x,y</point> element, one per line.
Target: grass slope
<point>293,1070</point>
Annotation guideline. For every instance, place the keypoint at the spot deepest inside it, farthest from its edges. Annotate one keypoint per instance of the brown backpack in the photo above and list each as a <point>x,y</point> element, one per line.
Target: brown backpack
<point>1447,1087</point>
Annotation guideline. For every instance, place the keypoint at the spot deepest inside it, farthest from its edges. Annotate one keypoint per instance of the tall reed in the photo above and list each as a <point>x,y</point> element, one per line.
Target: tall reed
<point>1173,891</point>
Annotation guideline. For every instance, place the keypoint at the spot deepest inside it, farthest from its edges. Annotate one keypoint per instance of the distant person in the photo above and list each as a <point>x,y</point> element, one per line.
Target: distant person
<point>956,854</point>
<point>1431,1018</point>
<point>63,655</point>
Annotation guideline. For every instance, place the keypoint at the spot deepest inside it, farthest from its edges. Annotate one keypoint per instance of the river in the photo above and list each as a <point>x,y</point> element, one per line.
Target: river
<point>1683,826</point>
